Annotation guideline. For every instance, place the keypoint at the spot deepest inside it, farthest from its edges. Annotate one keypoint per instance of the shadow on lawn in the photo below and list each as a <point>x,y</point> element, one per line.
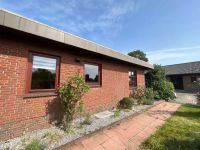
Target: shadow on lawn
<point>192,143</point>
<point>189,111</point>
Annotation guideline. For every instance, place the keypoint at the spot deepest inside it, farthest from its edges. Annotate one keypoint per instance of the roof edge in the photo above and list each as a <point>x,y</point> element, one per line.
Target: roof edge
<point>21,23</point>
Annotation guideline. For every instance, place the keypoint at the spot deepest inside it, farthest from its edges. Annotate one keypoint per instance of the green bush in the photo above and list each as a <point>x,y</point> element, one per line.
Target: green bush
<point>139,94</point>
<point>156,80</point>
<point>126,103</point>
<point>165,90</point>
<point>149,96</point>
<point>35,145</point>
<point>143,95</point>
<point>71,94</point>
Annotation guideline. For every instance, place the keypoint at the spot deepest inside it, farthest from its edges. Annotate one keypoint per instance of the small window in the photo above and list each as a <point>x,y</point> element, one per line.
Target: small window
<point>92,74</point>
<point>193,79</point>
<point>132,78</point>
<point>43,72</point>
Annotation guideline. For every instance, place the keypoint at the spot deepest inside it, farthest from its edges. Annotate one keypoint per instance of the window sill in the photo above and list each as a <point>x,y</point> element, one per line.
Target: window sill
<point>132,88</point>
<point>35,95</point>
<point>94,86</point>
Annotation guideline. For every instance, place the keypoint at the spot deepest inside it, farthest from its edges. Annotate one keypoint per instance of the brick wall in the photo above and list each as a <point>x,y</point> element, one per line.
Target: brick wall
<point>20,114</point>
<point>188,85</point>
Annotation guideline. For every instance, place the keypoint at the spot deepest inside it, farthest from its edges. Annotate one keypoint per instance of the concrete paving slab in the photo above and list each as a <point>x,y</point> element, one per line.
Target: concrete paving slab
<point>104,114</point>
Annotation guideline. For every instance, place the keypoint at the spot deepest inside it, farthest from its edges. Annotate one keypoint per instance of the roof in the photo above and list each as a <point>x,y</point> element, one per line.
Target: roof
<point>21,23</point>
<point>185,68</point>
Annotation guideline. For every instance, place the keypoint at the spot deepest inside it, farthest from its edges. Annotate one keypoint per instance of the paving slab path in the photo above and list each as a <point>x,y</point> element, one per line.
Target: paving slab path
<point>129,133</point>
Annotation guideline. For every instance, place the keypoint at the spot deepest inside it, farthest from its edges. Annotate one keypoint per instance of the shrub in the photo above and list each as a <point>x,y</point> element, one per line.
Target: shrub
<point>149,96</point>
<point>156,95</point>
<point>71,93</point>
<point>35,145</point>
<point>143,95</point>
<point>156,80</point>
<point>165,90</point>
<point>169,90</point>
<point>126,103</point>
<point>139,94</point>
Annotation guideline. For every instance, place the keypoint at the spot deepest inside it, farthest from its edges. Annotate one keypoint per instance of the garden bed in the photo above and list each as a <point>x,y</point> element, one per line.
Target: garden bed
<point>54,137</point>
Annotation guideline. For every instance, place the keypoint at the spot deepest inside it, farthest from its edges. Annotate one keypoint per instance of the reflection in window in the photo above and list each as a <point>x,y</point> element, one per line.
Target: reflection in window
<point>43,73</point>
<point>91,73</point>
<point>132,78</point>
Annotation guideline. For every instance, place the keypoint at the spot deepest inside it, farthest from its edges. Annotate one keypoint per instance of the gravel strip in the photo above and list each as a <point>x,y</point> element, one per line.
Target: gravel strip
<point>55,137</point>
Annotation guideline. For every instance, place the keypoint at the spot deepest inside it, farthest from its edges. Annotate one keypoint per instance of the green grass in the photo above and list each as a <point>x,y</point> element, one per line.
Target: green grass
<point>180,132</point>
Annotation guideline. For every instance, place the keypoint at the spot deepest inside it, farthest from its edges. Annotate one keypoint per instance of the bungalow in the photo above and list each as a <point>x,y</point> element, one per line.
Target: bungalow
<point>35,59</point>
<point>184,75</point>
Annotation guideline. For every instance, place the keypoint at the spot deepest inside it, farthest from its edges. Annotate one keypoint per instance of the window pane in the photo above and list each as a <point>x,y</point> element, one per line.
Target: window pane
<point>132,78</point>
<point>91,73</point>
<point>43,73</point>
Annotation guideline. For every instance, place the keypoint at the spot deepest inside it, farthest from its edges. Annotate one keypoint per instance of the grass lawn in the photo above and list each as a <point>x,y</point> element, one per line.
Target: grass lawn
<point>180,132</point>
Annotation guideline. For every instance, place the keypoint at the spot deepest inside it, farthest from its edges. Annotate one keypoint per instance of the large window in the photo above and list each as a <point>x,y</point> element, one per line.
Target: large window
<point>42,73</point>
<point>92,74</point>
<point>132,78</point>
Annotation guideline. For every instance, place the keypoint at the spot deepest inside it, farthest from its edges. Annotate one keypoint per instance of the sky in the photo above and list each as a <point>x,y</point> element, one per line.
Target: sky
<point>168,31</point>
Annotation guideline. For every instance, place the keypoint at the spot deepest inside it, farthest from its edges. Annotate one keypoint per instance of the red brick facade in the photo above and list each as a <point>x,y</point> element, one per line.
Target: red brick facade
<point>21,112</point>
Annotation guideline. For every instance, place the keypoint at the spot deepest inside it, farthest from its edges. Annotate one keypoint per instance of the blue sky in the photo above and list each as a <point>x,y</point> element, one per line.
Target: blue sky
<point>167,30</point>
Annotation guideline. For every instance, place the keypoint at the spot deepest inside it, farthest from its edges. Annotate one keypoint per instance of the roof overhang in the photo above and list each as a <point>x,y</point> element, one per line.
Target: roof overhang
<point>20,23</point>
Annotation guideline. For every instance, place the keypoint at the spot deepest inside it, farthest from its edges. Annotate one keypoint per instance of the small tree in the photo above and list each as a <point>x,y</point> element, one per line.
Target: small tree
<point>71,94</point>
<point>139,54</point>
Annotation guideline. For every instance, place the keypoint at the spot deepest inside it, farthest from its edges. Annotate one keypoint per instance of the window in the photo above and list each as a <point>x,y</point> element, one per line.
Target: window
<point>92,74</point>
<point>193,79</point>
<point>132,78</point>
<point>43,72</point>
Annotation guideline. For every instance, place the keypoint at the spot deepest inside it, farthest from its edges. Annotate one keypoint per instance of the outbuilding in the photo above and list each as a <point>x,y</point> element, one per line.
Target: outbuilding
<point>184,75</point>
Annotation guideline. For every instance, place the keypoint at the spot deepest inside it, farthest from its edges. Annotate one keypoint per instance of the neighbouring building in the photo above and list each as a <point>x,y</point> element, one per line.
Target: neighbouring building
<point>35,59</point>
<point>184,75</point>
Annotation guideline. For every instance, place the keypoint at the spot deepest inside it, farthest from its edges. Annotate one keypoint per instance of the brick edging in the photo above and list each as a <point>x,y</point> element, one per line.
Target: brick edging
<point>108,126</point>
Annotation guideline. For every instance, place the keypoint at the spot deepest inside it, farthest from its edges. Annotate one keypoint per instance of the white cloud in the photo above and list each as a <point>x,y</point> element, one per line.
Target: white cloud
<point>75,16</point>
<point>174,55</point>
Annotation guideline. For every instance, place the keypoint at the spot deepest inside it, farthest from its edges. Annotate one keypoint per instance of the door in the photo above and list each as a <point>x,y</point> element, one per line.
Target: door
<point>177,80</point>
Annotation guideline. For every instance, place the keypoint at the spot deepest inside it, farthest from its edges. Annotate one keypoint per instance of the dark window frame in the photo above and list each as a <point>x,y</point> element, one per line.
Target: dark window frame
<point>135,82</point>
<point>29,72</point>
<point>94,84</point>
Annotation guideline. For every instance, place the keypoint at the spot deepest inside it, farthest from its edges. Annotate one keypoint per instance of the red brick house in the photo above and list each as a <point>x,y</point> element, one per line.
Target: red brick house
<point>35,59</point>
